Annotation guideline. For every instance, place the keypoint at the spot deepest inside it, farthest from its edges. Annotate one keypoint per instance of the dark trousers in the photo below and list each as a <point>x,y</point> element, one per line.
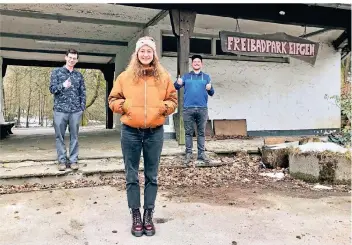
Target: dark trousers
<point>199,116</point>
<point>133,141</point>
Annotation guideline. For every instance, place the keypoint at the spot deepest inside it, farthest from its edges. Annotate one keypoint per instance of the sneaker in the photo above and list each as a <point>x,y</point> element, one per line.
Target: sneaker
<point>62,166</point>
<point>202,157</point>
<point>188,158</point>
<point>74,166</point>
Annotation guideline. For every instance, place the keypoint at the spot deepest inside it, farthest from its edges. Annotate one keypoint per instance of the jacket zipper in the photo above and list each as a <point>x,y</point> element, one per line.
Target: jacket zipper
<point>145,103</point>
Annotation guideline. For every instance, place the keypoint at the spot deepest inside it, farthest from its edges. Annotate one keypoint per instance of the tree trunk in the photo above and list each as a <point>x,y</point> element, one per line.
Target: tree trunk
<point>99,78</point>
<point>347,68</point>
<point>9,105</point>
<point>42,112</point>
<point>18,101</point>
<point>29,106</point>
<point>19,115</point>
<point>29,102</point>
<point>39,109</point>
<point>3,101</point>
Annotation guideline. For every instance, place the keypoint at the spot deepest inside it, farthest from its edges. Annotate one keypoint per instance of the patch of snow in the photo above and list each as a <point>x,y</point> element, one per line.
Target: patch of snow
<point>322,187</point>
<point>321,146</point>
<point>279,175</point>
<point>283,145</point>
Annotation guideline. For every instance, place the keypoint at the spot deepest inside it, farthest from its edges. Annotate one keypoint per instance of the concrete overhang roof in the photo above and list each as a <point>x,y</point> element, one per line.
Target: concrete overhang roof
<point>45,31</point>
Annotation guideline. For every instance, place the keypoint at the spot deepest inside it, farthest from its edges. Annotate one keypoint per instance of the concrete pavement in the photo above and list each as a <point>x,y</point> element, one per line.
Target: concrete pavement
<point>99,216</point>
<point>27,158</point>
<point>98,144</point>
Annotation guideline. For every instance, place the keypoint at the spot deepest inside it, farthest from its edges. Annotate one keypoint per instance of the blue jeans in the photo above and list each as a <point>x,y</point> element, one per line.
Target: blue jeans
<point>133,141</point>
<point>199,116</point>
<point>61,120</point>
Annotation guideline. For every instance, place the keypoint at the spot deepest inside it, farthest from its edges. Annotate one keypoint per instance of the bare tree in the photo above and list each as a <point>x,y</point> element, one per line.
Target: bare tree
<point>98,78</point>
<point>27,93</point>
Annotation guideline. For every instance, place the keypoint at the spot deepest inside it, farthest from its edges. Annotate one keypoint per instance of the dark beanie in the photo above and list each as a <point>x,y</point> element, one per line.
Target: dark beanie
<point>197,56</point>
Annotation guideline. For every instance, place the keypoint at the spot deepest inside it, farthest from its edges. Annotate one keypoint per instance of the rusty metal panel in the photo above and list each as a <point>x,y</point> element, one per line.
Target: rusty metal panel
<point>209,129</point>
<point>230,127</point>
<point>280,140</point>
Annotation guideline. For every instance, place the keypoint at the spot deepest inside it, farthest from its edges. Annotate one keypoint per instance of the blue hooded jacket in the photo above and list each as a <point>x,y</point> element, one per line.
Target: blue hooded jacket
<point>195,93</point>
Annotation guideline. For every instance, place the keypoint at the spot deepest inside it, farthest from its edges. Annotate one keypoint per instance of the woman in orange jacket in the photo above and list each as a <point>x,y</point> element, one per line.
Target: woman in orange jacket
<point>144,95</point>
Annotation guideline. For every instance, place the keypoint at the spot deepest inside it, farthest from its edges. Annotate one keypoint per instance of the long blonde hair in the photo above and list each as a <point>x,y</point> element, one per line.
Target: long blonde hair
<point>137,70</point>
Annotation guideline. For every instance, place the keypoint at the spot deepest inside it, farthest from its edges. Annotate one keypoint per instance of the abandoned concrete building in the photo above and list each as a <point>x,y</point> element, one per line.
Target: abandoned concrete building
<point>271,93</point>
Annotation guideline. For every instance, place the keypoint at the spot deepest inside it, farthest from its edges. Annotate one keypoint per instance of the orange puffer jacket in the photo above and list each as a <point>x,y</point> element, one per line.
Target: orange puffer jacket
<point>143,104</point>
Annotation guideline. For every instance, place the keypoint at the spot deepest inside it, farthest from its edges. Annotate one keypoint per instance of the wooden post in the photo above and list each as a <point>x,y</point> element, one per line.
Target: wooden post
<point>1,89</point>
<point>182,23</point>
<point>108,72</point>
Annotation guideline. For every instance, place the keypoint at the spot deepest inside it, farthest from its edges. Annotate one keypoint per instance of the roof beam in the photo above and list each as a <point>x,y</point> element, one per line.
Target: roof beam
<point>46,63</point>
<point>344,56</point>
<point>63,39</point>
<point>295,14</point>
<point>43,51</point>
<point>155,20</point>
<point>340,40</point>
<point>333,5</point>
<point>315,33</point>
<point>112,60</point>
<point>60,18</point>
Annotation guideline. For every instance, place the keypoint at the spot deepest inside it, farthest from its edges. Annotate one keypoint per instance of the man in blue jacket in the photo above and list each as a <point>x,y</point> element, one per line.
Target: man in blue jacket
<point>197,86</point>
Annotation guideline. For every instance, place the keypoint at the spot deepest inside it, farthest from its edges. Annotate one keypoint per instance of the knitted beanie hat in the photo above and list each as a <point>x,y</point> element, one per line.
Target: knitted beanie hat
<point>149,41</point>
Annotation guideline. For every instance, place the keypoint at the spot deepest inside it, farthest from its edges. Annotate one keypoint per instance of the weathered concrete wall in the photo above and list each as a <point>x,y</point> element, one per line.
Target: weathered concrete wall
<point>277,96</point>
<point>304,167</point>
<point>321,167</point>
<point>343,170</point>
<point>270,96</point>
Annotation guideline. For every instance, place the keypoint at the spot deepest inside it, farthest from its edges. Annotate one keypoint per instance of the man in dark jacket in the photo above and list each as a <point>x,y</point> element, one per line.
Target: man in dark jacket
<point>68,87</point>
<point>197,88</point>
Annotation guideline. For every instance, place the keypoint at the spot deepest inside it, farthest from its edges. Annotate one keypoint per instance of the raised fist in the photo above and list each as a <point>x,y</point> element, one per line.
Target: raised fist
<point>179,80</point>
<point>67,83</point>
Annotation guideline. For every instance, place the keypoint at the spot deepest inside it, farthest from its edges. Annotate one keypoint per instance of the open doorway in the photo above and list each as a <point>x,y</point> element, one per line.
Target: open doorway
<point>29,103</point>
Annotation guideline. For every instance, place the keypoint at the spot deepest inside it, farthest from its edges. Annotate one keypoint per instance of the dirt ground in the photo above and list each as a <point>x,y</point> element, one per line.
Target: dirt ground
<point>246,195</point>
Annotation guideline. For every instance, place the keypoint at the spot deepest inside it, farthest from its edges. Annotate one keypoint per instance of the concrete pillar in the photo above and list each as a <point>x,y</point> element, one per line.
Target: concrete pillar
<point>109,71</point>
<point>1,94</point>
<point>154,31</point>
<point>121,61</point>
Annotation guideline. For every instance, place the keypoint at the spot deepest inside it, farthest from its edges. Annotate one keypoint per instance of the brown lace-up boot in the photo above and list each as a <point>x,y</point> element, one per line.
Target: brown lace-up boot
<point>137,227</point>
<point>148,225</point>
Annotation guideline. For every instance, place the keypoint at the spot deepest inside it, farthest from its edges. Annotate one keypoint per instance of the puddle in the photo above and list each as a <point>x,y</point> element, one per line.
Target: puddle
<point>162,220</point>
